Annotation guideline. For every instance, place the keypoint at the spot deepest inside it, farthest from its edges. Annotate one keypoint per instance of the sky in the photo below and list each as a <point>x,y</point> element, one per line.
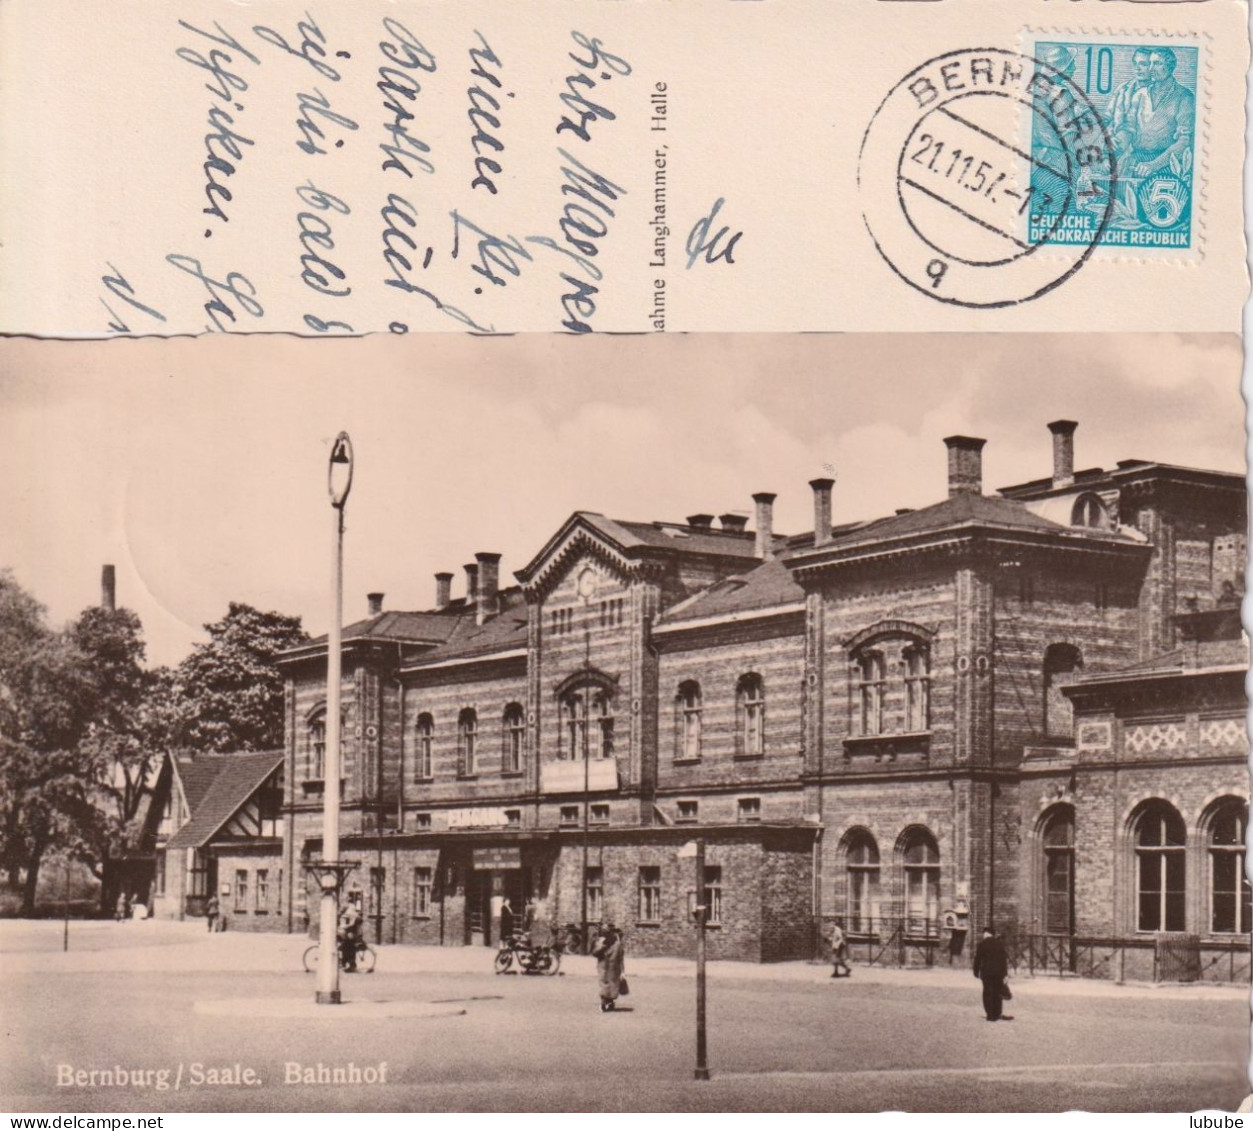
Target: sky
<point>198,466</point>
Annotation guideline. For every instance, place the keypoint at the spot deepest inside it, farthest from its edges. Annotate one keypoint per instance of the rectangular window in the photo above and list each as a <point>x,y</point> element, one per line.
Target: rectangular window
<point>160,878</point>
<point>687,811</point>
<point>748,809</point>
<point>378,884</point>
<point>650,894</point>
<point>600,814</point>
<point>513,817</point>
<point>263,889</point>
<point>595,894</point>
<point>241,890</point>
<point>423,886</point>
<point>712,898</point>
<point>199,876</point>
<point>421,820</point>
<point>569,814</point>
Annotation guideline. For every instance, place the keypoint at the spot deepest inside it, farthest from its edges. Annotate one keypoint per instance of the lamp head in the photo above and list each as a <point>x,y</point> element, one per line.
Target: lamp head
<point>339,471</point>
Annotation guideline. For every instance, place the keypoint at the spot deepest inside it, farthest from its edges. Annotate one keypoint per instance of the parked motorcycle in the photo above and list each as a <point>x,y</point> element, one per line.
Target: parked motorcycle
<point>517,949</point>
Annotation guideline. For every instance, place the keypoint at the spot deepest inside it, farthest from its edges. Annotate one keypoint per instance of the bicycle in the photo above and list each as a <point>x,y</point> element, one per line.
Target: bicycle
<point>366,958</point>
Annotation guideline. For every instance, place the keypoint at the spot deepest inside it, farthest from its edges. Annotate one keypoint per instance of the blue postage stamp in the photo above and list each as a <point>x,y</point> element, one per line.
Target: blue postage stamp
<point>1146,96</point>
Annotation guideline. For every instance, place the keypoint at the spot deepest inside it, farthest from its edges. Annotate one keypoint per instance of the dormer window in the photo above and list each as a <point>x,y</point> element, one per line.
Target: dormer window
<point>1090,511</point>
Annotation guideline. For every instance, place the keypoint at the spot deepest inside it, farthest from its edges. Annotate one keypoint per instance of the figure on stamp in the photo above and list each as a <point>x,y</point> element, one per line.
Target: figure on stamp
<point>1160,122</point>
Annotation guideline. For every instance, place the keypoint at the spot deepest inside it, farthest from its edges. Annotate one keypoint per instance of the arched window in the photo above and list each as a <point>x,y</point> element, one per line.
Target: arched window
<point>467,741</point>
<point>687,713</point>
<point>587,722</point>
<point>1161,868</point>
<point>1227,826</point>
<point>424,739</point>
<point>1062,662</point>
<point>890,681</point>
<point>920,862</point>
<point>750,706</point>
<point>861,864</point>
<point>1057,880</point>
<point>871,685</point>
<point>1089,511</point>
<point>513,726</point>
<point>317,745</point>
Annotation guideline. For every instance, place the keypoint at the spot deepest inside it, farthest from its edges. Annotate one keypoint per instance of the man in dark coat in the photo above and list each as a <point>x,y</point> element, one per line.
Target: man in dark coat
<point>991,967</point>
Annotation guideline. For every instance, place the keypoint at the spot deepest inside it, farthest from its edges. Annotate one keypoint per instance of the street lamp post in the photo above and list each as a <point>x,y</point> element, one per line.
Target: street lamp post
<point>585,597</point>
<point>331,870</point>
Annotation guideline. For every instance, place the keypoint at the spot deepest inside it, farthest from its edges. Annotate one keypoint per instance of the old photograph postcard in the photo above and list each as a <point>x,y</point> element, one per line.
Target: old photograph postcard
<point>625,723</point>
<point>344,168</point>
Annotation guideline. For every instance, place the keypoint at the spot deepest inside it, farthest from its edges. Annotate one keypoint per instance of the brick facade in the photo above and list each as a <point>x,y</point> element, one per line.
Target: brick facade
<point>877,723</point>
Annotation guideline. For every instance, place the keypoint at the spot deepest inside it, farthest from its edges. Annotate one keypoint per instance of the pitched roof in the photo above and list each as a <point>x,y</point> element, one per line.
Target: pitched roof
<point>414,628</point>
<point>769,585</point>
<point>232,779</point>
<point>632,538</point>
<point>503,632</point>
<point>966,510</point>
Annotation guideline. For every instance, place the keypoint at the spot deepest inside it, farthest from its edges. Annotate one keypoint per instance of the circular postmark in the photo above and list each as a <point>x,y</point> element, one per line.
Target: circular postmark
<point>986,177</point>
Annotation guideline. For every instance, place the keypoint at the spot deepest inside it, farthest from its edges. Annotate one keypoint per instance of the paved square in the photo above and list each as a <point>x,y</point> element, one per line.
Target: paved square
<point>151,998</point>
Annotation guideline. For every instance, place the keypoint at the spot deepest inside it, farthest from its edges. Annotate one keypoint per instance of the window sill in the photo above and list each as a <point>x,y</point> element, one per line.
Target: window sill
<point>750,757</point>
<point>467,777</point>
<point>512,773</point>
<point>424,781</point>
<point>648,922</point>
<point>421,918</point>
<point>260,912</point>
<point>889,746</point>
<point>687,761</point>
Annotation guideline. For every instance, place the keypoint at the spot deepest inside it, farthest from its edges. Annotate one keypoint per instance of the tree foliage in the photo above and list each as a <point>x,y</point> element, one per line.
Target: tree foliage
<point>47,701</point>
<point>227,694</point>
<point>83,724</point>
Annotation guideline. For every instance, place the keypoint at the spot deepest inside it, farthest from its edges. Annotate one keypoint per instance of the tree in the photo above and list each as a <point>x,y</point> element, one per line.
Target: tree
<point>228,694</point>
<point>115,748</point>
<point>46,703</point>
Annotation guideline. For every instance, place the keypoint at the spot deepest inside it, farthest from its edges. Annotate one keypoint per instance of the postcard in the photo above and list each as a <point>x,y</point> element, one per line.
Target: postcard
<point>587,557</point>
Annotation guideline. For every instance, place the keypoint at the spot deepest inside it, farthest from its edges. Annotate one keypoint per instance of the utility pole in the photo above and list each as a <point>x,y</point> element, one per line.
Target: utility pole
<point>702,913</point>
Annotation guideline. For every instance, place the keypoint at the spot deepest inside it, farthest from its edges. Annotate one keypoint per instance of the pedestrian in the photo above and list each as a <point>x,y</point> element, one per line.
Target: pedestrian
<point>608,951</point>
<point>992,968</point>
<point>350,935</point>
<point>508,918</point>
<point>839,951</point>
<point>212,910</point>
<point>122,911</point>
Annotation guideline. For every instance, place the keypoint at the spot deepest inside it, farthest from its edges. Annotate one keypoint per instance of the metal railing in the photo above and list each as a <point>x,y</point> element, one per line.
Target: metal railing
<point>914,941</point>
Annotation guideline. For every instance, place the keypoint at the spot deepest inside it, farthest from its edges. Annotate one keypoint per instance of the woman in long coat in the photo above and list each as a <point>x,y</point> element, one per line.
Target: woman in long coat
<point>608,950</point>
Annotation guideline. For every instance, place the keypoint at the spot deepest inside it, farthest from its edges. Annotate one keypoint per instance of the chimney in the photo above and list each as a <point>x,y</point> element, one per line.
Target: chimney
<point>822,510</point>
<point>733,522</point>
<point>376,603</point>
<point>488,587</point>
<point>472,581</point>
<point>764,545</point>
<point>965,465</point>
<point>701,521</point>
<point>1063,452</point>
<point>443,590</point>
<point>108,589</point>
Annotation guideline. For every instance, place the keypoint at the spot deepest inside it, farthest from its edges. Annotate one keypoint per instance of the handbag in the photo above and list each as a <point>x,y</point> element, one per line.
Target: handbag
<point>1006,995</point>
<point>624,987</point>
